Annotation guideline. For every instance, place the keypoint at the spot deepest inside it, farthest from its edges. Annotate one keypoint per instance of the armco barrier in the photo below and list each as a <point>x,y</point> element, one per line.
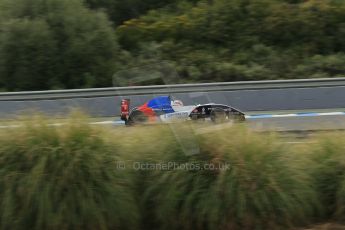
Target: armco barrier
<point>247,96</point>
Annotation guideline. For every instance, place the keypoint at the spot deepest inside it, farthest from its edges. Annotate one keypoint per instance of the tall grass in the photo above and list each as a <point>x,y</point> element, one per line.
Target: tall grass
<point>151,145</point>
<point>62,178</point>
<point>328,170</point>
<point>263,189</point>
<point>68,177</point>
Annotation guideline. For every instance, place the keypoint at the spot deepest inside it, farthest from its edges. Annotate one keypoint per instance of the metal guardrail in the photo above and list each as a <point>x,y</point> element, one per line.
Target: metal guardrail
<point>167,89</point>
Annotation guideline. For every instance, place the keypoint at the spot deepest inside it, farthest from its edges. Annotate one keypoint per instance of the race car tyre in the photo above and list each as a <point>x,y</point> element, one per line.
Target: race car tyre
<point>236,117</point>
<point>242,118</point>
<point>218,115</point>
<point>137,117</point>
<point>194,117</point>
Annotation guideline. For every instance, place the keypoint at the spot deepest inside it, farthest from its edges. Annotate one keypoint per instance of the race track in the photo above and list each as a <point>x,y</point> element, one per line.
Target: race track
<point>282,121</point>
<point>298,123</point>
<point>286,121</point>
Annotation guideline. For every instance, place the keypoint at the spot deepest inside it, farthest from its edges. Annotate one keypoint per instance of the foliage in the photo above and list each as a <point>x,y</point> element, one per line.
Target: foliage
<point>245,40</point>
<point>62,178</point>
<point>329,173</point>
<point>262,189</point>
<point>68,177</point>
<point>123,10</point>
<point>54,44</point>
<point>74,44</point>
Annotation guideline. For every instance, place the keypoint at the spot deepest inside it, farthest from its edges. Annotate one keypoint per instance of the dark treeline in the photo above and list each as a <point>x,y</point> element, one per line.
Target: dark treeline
<point>55,44</point>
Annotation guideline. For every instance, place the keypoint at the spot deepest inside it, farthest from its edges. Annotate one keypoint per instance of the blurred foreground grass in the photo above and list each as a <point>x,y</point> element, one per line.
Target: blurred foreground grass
<point>79,176</point>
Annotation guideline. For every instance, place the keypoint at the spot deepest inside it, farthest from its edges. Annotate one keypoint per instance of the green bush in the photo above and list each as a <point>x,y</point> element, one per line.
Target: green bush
<point>62,178</point>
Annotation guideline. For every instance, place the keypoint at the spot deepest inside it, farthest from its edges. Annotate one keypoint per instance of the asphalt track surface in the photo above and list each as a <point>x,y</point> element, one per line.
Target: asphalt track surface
<point>299,123</point>
<point>273,121</point>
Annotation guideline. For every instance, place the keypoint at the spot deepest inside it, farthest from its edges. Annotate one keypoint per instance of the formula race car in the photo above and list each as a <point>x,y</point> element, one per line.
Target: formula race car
<point>167,109</point>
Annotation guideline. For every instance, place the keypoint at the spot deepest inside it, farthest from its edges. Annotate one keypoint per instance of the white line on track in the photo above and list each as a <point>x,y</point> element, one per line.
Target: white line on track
<point>306,114</point>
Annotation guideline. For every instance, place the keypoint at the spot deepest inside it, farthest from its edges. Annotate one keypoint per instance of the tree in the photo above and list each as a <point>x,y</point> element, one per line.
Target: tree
<point>241,39</point>
<point>55,44</point>
<point>123,10</point>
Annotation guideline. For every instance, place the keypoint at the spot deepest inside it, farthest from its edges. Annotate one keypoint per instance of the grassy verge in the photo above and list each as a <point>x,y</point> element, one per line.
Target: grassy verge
<point>62,178</point>
<point>79,176</point>
<point>254,184</point>
<point>328,170</point>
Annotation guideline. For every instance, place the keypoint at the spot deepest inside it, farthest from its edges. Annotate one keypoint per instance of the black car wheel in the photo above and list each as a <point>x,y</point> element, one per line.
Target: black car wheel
<point>194,117</point>
<point>137,117</point>
<point>242,118</point>
<point>218,115</point>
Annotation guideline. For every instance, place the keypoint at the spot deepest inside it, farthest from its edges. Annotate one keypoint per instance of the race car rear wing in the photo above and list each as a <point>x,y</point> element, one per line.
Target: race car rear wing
<point>125,103</point>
